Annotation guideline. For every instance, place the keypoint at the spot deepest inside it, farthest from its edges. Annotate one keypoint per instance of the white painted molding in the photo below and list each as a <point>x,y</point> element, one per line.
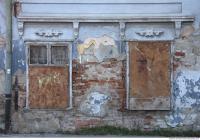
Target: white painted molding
<point>97,1</point>
<point>150,33</point>
<point>102,18</point>
<point>49,33</point>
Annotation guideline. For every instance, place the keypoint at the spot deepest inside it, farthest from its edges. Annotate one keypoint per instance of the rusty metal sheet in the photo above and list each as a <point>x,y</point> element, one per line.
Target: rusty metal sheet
<point>149,68</point>
<point>48,87</point>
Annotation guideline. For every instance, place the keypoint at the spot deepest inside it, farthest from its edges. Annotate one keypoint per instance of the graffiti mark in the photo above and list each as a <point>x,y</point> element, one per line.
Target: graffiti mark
<point>52,78</point>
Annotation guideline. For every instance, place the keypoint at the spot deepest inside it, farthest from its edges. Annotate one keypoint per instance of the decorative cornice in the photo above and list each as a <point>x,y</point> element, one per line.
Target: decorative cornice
<point>49,33</point>
<point>150,33</point>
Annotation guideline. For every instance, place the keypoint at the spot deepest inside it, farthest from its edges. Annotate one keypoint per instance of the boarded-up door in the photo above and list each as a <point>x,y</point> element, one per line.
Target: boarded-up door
<point>48,78</point>
<point>149,69</point>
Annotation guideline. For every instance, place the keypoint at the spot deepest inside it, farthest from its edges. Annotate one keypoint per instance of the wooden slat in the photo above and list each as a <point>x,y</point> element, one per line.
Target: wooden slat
<point>48,87</point>
<point>149,75</point>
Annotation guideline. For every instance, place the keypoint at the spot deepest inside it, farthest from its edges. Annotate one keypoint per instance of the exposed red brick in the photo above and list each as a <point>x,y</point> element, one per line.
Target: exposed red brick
<point>180,53</point>
<point>81,81</point>
<point>87,123</point>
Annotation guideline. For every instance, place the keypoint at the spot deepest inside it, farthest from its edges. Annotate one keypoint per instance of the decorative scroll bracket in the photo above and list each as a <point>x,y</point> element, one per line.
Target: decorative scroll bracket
<point>177,29</point>
<point>76,29</point>
<point>20,27</point>
<point>122,30</point>
<point>49,33</point>
<point>150,33</point>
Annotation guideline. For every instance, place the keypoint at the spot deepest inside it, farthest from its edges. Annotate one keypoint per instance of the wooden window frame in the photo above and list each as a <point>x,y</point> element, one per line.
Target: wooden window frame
<point>49,59</point>
<point>69,64</point>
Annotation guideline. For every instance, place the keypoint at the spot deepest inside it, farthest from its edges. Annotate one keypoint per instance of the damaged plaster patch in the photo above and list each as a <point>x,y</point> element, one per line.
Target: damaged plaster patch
<point>2,81</point>
<point>2,41</point>
<point>186,98</point>
<point>102,73</point>
<point>19,55</point>
<point>95,104</point>
<point>97,49</point>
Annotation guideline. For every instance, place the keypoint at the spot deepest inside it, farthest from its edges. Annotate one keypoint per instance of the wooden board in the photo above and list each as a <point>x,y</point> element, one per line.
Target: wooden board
<point>149,75</point>
<point>48,87</point>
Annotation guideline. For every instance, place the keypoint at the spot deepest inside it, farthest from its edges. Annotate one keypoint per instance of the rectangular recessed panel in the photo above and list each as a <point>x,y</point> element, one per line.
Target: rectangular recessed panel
<point>48,87</point>
<point>101,8</point>
<point>149,75</point>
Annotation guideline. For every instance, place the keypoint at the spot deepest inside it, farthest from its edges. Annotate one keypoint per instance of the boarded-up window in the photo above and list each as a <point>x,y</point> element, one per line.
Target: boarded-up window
<point>149,68</point>
<point>49,83</point>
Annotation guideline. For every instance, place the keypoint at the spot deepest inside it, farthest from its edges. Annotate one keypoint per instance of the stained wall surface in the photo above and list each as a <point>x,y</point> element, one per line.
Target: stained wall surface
<point>99,74</point>
<point>3,35</point>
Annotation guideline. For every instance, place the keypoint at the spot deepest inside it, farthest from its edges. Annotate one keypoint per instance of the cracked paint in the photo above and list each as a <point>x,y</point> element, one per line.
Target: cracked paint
<point>2,56</point>
<point>186,98</point>
<point>20,57</point>
<point>97,49</point>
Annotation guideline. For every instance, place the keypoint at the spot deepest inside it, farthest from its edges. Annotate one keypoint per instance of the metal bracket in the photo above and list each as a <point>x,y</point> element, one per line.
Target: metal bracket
<point>76,29</point>
<point>177,29</point>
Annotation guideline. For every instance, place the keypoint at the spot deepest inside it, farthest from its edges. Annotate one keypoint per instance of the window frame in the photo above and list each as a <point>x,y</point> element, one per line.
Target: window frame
<point>29,50</point>
<point>128,72</point>
<point>68,45</point>
<point>49,52</point>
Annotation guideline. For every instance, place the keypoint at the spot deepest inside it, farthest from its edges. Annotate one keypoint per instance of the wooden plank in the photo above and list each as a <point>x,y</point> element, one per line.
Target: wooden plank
<point>149,75</point>
<point>48,87</point>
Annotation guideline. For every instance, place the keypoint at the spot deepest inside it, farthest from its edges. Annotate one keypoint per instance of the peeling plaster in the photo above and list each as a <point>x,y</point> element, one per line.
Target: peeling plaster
<point>2,41</point>
<point>2,81</point>
<point>186,98</point>
<point>2,17</point>
<point>97,49</point>
<point>95,104</point>
<point>2,56</point>
<point>102,73</point>
<point>19,61</point>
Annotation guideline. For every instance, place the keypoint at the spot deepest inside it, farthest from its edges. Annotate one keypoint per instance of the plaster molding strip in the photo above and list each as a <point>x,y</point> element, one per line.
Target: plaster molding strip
<point>102,18</point>
<point>127,76</point>
<point>70,78</point>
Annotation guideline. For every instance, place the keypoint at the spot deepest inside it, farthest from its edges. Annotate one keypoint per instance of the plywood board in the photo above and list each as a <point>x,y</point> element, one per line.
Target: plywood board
<point>149,75</point>
<point>48,87</point>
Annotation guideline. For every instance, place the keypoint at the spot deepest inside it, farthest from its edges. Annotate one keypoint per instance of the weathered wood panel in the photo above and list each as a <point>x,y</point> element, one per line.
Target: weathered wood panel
<point>149,75</point>
<point>48,87</point>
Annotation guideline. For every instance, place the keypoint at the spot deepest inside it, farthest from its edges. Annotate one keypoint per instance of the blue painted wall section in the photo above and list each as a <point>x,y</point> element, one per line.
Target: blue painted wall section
<point>186,98</point>
<point>19,57</point>
<point>2,57</point>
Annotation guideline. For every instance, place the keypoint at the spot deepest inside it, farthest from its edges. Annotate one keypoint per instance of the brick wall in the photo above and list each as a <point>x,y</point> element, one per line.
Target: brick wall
<point>106,76</point>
